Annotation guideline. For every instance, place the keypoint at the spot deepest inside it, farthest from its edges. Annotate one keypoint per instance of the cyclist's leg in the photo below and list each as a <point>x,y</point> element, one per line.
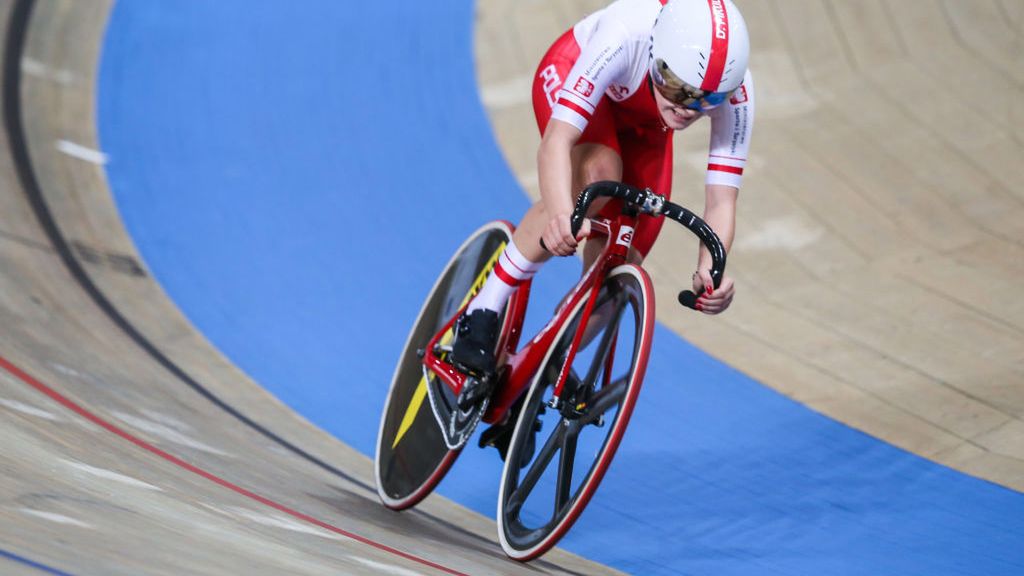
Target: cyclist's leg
<point>647,163</point>
<point>592,162</point>
<point>594,158</point>
<point>596,155</point>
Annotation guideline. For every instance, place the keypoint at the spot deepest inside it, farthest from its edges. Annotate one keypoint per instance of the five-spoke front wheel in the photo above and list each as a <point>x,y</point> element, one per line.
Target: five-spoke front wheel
<point>558,455</point>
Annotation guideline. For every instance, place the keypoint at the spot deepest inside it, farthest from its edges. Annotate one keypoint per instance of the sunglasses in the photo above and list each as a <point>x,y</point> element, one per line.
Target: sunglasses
<point>678,92</point>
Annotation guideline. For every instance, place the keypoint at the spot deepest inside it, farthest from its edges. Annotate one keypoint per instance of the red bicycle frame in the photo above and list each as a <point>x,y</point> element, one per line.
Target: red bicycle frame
<point>517,368</point>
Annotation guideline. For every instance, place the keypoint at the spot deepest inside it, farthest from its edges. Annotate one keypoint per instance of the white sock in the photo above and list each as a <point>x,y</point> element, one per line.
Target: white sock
<point>511,270</point>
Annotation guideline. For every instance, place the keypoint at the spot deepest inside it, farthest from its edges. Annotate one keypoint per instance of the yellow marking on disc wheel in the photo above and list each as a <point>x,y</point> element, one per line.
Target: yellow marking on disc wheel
<point>421,388</point>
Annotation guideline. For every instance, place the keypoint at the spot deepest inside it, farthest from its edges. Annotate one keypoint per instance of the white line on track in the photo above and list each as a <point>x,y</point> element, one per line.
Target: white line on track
<point>167,433</point>
<point>30,410</point>
<point>278,521</point>
<point>382,568</point>
<point>105,474</point>
<point>37,69</point>
<point>81,152</point>
<point>54,517</point>
<point>84,377</point>
<point>166,420</point>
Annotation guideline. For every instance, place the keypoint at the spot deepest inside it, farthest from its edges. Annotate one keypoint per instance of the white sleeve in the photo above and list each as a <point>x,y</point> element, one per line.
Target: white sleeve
<point>731,125</point>
<point>601,62</point>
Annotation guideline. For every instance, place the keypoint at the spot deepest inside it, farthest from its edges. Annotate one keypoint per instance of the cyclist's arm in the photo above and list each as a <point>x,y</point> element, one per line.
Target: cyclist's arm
<point>720,214</point>
<point>605,58</point>
<point>554,168</point>
<point>731,126</point>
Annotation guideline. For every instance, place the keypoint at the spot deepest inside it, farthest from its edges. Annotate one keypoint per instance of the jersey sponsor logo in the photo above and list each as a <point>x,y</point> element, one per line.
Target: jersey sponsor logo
<point>619,92</point>
<point>583,87</point>
<point>625,236</point>
<point>552,81</point>
<point>739,96</point>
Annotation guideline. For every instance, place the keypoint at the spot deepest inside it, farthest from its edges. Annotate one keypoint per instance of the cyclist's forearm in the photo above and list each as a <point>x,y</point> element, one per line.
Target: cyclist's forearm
<point>720,214</point>
<point>554,167</point>
<point>554,170</point>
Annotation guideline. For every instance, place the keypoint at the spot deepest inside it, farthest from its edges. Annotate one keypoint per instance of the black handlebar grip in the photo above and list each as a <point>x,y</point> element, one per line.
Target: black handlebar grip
<point>589,194</point>
<point>688,298</point>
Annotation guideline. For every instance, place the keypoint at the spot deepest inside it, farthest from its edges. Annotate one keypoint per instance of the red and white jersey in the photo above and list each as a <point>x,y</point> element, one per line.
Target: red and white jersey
<point>615,52</point>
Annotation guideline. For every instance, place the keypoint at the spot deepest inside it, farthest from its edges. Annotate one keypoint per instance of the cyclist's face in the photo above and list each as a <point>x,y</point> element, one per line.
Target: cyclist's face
<point>675,116</point>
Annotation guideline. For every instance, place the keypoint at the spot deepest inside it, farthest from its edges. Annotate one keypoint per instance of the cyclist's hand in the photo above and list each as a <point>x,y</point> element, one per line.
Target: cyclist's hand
<point>710,300</point>
<point>558,236</point>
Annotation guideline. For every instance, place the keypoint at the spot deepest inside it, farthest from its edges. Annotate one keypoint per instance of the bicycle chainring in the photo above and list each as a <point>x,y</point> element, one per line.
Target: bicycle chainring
<point>456,425</point>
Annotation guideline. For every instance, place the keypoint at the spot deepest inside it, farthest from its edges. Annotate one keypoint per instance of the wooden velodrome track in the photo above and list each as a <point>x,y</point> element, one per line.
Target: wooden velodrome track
<point>879,250</point>
<point>115,459</point>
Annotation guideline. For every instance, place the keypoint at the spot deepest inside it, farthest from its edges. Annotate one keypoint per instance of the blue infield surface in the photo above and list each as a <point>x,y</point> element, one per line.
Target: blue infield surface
<point>295,176</point>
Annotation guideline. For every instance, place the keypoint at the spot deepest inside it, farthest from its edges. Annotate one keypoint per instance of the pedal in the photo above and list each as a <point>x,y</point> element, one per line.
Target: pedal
<point>498,436</point>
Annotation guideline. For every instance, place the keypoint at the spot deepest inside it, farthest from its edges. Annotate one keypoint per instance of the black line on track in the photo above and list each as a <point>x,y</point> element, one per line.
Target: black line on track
<point>17,31</point>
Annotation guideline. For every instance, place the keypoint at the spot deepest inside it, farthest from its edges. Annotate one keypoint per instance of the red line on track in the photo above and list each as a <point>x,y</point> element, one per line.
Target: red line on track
<point>84,413</point>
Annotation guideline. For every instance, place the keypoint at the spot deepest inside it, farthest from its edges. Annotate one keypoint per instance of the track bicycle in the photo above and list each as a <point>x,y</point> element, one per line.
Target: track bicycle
<point>559,405</point>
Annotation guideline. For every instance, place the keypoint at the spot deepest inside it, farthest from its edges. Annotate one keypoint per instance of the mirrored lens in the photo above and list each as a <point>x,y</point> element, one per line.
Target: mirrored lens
<point>677,91</point>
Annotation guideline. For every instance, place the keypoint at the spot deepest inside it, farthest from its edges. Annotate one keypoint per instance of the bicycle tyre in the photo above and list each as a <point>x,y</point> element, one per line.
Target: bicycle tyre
<point>411,456</point>
<point>521,538</point>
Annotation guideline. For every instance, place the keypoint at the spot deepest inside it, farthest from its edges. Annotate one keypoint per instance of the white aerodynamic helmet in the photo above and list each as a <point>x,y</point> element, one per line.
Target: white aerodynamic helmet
<point>699,52</point>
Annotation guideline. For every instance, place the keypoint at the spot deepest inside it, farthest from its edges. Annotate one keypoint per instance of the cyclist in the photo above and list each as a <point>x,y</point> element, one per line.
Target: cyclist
<point>608,96</point>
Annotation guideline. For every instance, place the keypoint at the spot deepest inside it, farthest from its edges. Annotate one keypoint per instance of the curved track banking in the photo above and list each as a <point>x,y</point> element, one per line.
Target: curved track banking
<point>115,462</point>
<point>133,446</point>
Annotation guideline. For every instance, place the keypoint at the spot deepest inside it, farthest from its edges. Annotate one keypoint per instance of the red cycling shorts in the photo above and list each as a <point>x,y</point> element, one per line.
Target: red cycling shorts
<point>632,128</point>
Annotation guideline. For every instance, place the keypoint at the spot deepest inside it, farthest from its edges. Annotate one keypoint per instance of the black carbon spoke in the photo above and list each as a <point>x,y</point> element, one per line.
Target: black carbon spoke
<point>605,399</point>
<point>610,394</point>
<point>566,461</point>
<point>605,345</point>
<point>540,464</point>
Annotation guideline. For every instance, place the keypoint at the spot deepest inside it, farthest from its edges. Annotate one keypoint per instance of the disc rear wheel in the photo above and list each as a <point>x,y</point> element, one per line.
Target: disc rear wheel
<point>412,455</point>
